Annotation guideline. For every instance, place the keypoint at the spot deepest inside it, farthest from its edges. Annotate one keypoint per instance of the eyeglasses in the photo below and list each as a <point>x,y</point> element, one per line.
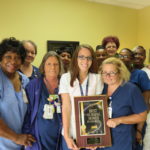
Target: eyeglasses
<point>124,56</point>
<point>110,74</point>
<point>88,58</point>
<point>111,47</point>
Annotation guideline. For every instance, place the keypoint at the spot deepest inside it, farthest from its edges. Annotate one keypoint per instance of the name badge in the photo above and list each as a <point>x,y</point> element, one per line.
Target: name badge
<point>48,111</point>
<point>110,110</point>
<point>58,107</point>
<point>25,99</point>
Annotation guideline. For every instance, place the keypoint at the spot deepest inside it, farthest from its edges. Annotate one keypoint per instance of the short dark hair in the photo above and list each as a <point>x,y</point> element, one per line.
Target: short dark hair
<point>12,45</point>
<point>99,47</point>
<point>140,47</point>
<point>108,39</point>
<point>68,50</point>
<point>129,50</point>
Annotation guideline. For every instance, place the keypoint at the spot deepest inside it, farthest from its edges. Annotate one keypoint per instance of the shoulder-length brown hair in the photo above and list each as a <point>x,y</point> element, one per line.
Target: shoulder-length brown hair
<point>74,68</point>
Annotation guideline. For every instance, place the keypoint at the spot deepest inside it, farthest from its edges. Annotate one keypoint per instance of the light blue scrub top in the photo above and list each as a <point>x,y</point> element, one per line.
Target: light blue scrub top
<point>12,109</point>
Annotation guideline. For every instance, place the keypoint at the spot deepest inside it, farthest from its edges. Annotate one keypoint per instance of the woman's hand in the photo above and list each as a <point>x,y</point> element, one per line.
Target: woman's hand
<point>91,148</point>
<point>71,144</point>
<point>138,136</point>
<point>112,123</point>
<point>24,139</point>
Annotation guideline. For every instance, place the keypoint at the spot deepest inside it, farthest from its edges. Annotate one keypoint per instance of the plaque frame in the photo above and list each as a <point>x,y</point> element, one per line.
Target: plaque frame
<point>91,115</point>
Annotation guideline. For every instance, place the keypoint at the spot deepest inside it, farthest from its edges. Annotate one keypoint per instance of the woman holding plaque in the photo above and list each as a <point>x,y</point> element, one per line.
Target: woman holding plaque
<point>43,119</point>
<point>126,103</point>
<point>81,80</point>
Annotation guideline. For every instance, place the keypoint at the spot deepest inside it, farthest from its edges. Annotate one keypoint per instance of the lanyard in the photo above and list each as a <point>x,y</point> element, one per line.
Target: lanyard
<point>81,90</point>
<point>48,87</point>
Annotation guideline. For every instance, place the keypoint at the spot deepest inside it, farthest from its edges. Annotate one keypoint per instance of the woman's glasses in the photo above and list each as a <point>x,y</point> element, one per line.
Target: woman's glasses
<point>124,56</point>
<point>110,74</point>
<point>88,58</point>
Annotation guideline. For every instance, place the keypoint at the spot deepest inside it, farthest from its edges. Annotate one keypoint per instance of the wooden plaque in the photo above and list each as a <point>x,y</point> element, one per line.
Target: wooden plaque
<point>91,114</point>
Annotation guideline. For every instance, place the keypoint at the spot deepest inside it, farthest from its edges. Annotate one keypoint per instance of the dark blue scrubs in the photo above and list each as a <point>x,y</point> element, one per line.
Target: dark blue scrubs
<point>140,78</point>
<point>49,129</point>
<point>35,73</point>
<point>126,100</point>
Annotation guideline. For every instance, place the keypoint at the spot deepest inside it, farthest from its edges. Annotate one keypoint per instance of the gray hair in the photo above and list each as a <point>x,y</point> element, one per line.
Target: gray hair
<point>32,43</point>
<point>46,56</point>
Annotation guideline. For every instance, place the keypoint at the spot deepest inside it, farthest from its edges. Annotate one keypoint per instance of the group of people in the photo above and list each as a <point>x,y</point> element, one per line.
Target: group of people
<point>139,75</point>
<point>37,109</point>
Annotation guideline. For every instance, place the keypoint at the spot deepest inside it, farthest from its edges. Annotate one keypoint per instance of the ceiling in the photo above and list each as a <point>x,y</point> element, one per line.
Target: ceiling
<point>135,4</point>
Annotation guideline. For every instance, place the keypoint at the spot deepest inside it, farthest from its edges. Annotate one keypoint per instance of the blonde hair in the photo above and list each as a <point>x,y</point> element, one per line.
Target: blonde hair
<point>123,72</point>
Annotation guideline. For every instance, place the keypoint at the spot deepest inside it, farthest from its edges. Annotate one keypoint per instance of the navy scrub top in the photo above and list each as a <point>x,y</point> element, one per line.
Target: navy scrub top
<point>140,78</point>
<point>126,100</point>
<point>49,129</point>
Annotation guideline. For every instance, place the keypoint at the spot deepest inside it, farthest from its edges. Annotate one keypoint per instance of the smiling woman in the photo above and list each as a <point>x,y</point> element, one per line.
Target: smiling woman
<point>111,45</point>
<point>44,111</point>
<point>81,80</point>
<point>126,103</point>
<point>12,97</point>
<point>10,62</point>
<point>27,68</point>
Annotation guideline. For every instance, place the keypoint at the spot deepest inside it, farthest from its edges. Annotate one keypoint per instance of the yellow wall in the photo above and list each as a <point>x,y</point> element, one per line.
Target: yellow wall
<point>70,20</point>
<point>144,30</point>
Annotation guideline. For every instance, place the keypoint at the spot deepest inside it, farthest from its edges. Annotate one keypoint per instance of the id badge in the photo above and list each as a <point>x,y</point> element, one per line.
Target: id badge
<point>58,108</point>
<point>109,112</point>
<point>25,99</point>
<point>48,111</point>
